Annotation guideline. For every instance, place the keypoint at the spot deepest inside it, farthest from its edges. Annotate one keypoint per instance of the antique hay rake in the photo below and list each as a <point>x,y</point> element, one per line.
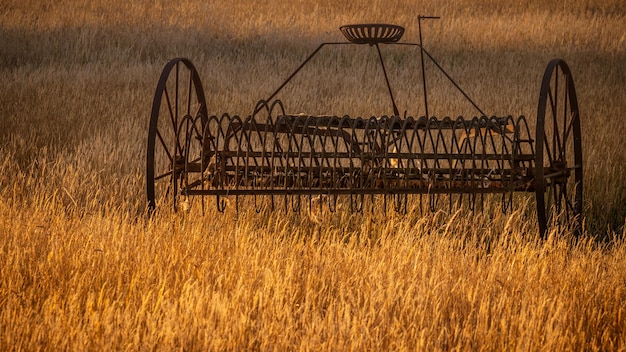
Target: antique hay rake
<point>274,157</point>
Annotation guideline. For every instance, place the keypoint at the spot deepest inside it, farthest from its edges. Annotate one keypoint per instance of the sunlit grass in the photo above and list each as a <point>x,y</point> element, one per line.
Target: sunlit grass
<point>82,267</point>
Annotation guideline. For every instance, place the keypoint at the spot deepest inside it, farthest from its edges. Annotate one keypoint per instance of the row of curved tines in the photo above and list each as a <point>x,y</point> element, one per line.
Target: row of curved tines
<point>301,152</point>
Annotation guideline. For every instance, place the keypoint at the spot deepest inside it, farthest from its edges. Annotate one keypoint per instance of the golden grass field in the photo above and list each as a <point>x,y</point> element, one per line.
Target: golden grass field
<point>83,268</point>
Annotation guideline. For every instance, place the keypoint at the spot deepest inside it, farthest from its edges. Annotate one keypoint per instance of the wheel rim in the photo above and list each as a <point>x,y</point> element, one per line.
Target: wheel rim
<point>558,163</point>
<point>178,113</point>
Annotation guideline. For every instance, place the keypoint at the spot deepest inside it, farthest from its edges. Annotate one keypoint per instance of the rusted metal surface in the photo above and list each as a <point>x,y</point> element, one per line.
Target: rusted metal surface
<point>327,154</point>
<point>273,154</point>
<point>372,33</point>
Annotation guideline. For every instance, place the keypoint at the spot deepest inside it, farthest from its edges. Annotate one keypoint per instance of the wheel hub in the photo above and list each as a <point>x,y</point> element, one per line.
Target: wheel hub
<point>560,171</point>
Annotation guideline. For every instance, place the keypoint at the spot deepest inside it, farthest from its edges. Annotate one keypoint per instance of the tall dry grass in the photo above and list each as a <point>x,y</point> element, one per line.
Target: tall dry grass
<point>81,267</point>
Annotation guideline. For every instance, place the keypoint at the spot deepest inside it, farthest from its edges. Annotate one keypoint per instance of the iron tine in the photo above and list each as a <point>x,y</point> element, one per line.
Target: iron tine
<point>256,208</point>
<point>221,204</point>
<point>295,205</point>
<point>385,203</point>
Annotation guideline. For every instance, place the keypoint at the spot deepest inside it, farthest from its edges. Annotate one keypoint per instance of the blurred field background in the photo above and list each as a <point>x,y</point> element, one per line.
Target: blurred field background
<point>82,267</point>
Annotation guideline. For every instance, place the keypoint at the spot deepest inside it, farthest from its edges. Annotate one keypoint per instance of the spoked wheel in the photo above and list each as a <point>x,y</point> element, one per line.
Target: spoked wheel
<point>558,158</point>
<point>175,135</point>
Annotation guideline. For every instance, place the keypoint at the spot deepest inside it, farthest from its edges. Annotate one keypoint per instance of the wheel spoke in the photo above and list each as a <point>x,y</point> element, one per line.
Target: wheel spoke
<point>575,167</point>
<point>551,100</point>
<point>553,105</point>
<point>169,106</point>
<point>195,160</point>
<point>549,204</point>
<point>568,201</point>
<point>569,206</point>
<point>169,173</point>
<point>569,128</point>
<point>557,197</point>
<point>167,190</point>
<point>172,118</point>
<point>197,133</point>
<point>169,155</point>
<point>547,148</point>
<point>199,110</point>
<point>556,138</point>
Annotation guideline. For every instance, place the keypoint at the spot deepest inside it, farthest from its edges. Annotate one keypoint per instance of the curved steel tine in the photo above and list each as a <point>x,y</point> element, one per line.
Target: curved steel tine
<point>266,159</point>
<point>220,204</point>
<point>360,203</point>
<point>421,204</point>
<point>367,156</point>
<point>351,205</point>
<point>472,144</point>
<point>320,203</point>
<point>461,174</point>
<point>236,125</point>
<point>259,162</point>
<point>404,162</point>
<point>334,177</point>
<point>442,150</point>
<point>275,145</point>
<point>304,163</point>
<point>480,135</point>
<point>305,137</point>
<point>396,202</point>
<point>290,173</point>
<point>507,202</point>
<point>399,204</point>
<point>347,177</point>
<point>472,202</point>
<point>223,138</point>
<point>261,105</point>
<point>256,209</point>
<point>385,203</point>
<point>383,134</point>
<point>336,168</point>
<point>493,131</point>
<point>405,158</point>
<point>532,146</point>
<point>277,104</point>
<point>433,141</point>
<point>432,202</point>
<point>508,149</point>
<point>319,140</point>
<point>245,152</point>
<point>406,200</point>
<point>292,202</point>
<point>332,203</point>
<point>266,163</point>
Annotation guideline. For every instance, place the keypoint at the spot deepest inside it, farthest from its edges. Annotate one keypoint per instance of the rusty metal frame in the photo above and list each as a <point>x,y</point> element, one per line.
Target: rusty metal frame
<point>271,154</point>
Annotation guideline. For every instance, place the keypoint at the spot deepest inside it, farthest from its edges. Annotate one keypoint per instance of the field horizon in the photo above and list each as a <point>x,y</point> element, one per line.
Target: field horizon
<point>83,267</point>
